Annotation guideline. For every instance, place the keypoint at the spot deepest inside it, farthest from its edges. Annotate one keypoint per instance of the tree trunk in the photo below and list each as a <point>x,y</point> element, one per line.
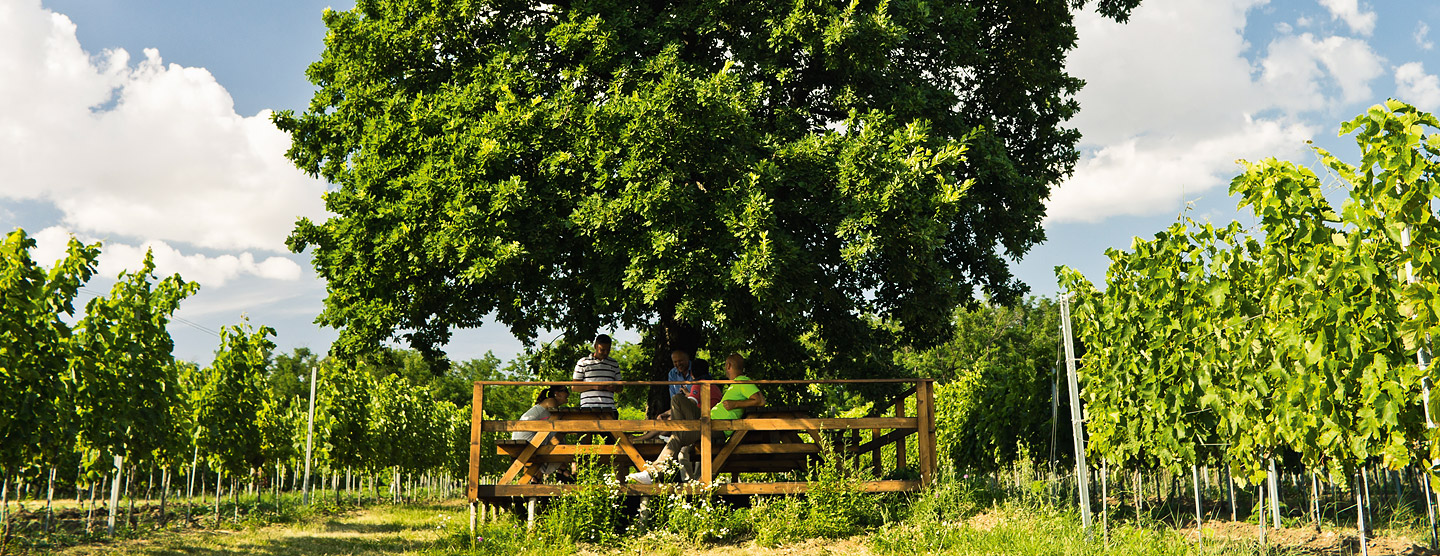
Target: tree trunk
<point>672,334</point>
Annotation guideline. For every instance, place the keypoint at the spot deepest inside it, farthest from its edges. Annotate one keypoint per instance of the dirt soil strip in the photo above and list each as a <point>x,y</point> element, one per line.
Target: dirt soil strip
<point>366,532</point>
<point>854,546</point>
<point>1307,541</point>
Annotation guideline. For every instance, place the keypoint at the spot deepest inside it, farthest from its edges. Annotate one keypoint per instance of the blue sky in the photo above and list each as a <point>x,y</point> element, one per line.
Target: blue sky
<point>144,123</point>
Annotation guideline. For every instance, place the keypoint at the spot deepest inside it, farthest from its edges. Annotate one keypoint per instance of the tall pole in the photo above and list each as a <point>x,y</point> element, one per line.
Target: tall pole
<point>1082,478</point>
<point>114,497</point>
<point>1199,522</point>
<point>309,436</point>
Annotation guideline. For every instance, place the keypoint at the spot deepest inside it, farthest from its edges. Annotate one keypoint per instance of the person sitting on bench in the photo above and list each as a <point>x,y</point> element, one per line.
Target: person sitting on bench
<point>545,402</point>
<point>732,405</point>
<point>682,396</point>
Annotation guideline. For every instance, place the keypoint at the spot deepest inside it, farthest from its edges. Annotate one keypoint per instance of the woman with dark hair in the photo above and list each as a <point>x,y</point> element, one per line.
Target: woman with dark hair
<point>546,401</point>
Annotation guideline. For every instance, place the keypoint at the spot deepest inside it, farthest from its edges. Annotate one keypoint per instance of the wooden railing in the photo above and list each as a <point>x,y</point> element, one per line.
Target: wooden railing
<point>712,458</point>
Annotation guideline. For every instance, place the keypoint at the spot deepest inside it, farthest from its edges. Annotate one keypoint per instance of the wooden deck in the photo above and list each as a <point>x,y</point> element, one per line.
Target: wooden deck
<point>767,440</point>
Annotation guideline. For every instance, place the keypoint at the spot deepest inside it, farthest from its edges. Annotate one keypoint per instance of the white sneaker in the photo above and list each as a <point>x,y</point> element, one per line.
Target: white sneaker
<point>642,477</point>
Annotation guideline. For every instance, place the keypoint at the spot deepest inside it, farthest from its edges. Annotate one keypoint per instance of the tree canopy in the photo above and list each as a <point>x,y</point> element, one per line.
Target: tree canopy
<point>775,177</point>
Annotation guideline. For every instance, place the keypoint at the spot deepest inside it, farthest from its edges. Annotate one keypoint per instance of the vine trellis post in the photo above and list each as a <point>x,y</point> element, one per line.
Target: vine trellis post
<point>309,435</point>
<point>1076,423</point>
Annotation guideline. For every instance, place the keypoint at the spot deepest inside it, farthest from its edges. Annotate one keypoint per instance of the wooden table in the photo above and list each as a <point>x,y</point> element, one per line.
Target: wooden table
<point>771,439</point>
<point>528,455</point>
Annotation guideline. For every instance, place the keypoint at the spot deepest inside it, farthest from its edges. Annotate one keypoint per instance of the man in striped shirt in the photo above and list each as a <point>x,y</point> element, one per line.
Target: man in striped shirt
<point>597,367</point>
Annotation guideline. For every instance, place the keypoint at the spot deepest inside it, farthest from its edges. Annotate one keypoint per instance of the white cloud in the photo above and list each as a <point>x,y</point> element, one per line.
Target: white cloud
<point>1145,175</point>
<point>208,271</point>
<point>1173,99</point>
<point>1416,87</point>
<point>1349,11</point>
<point>1295,71</point>
<point>1422,36</point>
<point>1283,28</point>
<point>146,150</point>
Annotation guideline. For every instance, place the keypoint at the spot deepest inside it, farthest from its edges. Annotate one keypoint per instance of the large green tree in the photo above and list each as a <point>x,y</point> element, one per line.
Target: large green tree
<point>762,175</point>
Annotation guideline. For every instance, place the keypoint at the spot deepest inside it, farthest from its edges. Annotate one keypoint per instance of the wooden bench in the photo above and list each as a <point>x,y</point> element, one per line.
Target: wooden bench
<point>754,451</point>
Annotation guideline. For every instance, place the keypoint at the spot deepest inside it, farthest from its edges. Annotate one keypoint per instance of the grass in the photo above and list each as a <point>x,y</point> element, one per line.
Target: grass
<point>959,517</point>
<point>1026,530</point>
<point>441,529</point>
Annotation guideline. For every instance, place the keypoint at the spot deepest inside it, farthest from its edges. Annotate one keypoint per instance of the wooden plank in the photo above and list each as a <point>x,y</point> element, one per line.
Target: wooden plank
<point>729,449</point>
<point>792,435</point>
<point>567,452</point>
<point>585,425</point>
<point>747,449</point>
<point>511,491</point>
<point>477,416</point>
<point>623,441</point>
<point>718,382</point>
<point>577,449</point>
<point>522,459</point>
<point>818,424</point>
<point>929,425</point>
<point>707,470</point>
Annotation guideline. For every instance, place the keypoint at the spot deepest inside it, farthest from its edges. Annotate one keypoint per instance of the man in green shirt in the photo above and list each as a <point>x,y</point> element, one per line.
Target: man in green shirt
<point>732,405</point>
<point>737,397</point>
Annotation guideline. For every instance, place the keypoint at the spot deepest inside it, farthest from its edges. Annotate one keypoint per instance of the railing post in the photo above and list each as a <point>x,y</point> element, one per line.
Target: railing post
<point>477,416</point>
<point>925,421</point>
<point>707,452</point>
